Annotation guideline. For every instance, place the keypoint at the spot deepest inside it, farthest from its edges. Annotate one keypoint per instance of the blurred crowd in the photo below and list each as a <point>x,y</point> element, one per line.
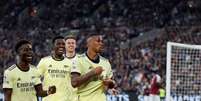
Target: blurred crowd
<point>128,61</point>
<point>120,21</point>
<point>53,14</point>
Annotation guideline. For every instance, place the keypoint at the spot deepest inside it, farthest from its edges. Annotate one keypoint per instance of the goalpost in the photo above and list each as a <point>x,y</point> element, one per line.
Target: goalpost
<point>183,72</point>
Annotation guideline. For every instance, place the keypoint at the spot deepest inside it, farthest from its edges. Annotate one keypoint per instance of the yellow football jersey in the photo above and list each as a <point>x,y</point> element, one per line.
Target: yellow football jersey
<point>73,62</point>
<point>92,90</point>
<point>22,83</point>
<point>56,72</point>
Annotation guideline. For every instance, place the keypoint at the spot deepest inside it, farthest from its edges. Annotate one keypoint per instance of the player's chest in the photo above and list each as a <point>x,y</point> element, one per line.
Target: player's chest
<point>58,70</point>
<point>24,80</point>
<point>59,66</point>
<point>90,65</point>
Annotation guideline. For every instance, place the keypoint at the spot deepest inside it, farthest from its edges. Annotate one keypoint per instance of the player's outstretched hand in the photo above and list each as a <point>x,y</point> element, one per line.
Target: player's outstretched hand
<point>52,90</point>
<point>98,70</point>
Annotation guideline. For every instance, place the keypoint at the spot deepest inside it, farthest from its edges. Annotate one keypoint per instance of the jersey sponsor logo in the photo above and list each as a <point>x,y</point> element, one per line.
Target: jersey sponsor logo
<point>26,87</point>
<point>26,84</point>
<point>55,73</point>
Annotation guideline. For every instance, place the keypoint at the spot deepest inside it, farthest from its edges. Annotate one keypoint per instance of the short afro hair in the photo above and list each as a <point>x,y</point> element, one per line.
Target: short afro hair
<point>57,37</point>
<point>20,43</point>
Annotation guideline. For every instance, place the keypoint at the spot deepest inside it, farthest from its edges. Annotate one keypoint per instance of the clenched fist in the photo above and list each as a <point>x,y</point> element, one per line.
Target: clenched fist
<point>109,83</point>
<point>51,90</point>
<point>98,70</point>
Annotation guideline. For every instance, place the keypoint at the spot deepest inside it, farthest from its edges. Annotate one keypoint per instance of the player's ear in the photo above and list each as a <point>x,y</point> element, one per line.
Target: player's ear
<point>87,45</point>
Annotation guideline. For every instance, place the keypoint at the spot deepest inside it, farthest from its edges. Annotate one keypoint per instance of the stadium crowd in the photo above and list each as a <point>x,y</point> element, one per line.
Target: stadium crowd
<point>120,21</point>
<point>127,61</point>
<point>98,13</point>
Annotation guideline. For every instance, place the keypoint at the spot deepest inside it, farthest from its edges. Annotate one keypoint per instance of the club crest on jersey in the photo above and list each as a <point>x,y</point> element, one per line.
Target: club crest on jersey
<point>65,66</point>
<point>18,79</point>
<point>90,67</point>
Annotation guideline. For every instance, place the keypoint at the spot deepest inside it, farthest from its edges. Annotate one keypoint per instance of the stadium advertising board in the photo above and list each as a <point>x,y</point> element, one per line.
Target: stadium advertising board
<point>120,97</point>
<point>187,98</point>
<point>178,98</point>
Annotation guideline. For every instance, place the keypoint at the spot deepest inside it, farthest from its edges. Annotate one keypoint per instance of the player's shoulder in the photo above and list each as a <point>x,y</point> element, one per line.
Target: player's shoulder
<point>103,58</point>
<point>78,54</point>
<point>32,66</point>
<point>11,68</point>
<point>81,55</point>
<point>46,58</point>
<point>81,58</point>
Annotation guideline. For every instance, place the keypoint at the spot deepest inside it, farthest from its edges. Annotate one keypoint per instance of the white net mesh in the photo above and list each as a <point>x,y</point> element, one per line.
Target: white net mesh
<point>185,72</point>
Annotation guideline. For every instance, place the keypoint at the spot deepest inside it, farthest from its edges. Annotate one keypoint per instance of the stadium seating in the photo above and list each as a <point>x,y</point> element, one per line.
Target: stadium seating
<point>119,20</point>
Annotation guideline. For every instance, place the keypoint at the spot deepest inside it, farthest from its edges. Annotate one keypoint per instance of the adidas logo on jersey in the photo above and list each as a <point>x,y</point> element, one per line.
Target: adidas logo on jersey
<point>33,77</point>
<point>18,79</point>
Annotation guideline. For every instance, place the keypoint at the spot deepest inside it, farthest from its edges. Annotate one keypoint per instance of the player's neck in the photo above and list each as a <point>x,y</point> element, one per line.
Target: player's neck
<point>70,54</point>
<point>23,66</point>
<point>92,55</point>
<point>57,57</point>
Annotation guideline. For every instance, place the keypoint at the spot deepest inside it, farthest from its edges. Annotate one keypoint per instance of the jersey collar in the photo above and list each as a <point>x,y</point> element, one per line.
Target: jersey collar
<point>97,60</point>
<point>57,59</point>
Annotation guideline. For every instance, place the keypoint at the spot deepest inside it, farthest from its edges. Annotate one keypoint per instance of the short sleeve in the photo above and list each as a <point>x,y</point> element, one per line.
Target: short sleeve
<point>110,72</point>
<point>7,80</point>
<point>76,66</point>
<point>37,77</point>
<point>41,68</point>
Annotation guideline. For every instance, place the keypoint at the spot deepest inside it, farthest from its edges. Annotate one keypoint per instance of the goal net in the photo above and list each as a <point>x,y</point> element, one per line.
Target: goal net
<point>183,74</point>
